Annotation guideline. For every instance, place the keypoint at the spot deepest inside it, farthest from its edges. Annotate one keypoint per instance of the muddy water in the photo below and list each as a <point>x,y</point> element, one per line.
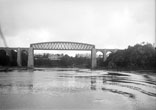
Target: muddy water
<point>76,89</point>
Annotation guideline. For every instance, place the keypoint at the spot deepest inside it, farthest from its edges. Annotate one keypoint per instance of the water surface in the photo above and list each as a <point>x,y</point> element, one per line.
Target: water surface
<point>76,89</point>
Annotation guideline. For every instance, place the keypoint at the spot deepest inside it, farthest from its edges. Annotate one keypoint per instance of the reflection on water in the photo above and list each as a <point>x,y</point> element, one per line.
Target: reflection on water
<point>76,89</point>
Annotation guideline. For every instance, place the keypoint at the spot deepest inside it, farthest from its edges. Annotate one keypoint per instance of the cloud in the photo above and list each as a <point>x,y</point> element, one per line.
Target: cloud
<point>25,38</point>
<point>107,24</point>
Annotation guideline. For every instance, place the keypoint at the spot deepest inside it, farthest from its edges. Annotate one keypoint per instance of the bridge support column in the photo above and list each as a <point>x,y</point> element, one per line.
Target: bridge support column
<point>31,57</point>
<point>19,57</point>
<point>104,55</point>
<point>93,58</point>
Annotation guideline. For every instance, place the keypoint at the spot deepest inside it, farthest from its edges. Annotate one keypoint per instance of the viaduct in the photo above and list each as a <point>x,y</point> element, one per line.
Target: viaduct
<point>57,46</point>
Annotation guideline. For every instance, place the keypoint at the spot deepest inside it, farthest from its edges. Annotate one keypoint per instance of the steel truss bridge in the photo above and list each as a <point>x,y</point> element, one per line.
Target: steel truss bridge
<point>62,46</point>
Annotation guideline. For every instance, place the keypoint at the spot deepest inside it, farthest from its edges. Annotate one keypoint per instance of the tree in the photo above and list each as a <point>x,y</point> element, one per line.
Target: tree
<point>139,56</point>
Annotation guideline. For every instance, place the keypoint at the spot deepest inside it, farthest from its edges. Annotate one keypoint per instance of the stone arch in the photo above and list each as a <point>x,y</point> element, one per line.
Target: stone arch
<point>105,51</point>
<point>109,51</point>
<point>99,54</point>
<point>4,57</point>
<point>10,56</point>
<point>99,58</point>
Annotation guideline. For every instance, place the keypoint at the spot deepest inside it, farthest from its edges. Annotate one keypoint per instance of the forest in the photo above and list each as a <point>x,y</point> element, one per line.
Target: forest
<point>140,56</point>
<point>64,61</point>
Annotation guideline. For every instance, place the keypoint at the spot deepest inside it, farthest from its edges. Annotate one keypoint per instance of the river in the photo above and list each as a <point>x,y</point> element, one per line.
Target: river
<point>76,89</point>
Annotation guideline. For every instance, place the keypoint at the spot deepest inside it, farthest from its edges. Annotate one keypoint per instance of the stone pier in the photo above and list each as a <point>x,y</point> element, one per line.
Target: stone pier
<point>19,57</point>
<point>93,58</point>
<point>104,55</point>
<point>31,58</point>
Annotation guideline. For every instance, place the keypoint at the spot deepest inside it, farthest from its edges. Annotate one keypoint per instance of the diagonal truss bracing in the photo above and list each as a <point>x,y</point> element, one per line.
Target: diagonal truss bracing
<point>62,46</point>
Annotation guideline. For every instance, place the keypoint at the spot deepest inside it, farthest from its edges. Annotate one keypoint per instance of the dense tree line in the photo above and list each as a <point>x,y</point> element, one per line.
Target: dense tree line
<point>64,61</point>
<point>139,56</point>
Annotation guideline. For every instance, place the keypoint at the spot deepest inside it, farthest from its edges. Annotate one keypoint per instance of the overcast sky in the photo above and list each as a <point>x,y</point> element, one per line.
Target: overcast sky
<point>104,23</point>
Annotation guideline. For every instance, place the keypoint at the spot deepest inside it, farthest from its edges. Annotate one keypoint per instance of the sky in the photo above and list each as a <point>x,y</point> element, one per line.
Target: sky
<point>104,23</point>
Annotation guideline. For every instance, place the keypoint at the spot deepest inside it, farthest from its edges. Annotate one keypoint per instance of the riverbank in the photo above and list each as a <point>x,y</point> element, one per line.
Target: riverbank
<point>146,72</point>
<point>6,69</point>
<point>140,71</point>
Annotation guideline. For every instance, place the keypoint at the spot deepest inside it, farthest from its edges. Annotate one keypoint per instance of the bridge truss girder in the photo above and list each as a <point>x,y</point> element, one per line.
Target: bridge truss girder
<point>61,46</point>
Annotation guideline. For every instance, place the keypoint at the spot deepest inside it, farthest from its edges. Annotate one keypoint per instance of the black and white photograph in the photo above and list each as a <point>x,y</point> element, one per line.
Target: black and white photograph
<point>77,54</point>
